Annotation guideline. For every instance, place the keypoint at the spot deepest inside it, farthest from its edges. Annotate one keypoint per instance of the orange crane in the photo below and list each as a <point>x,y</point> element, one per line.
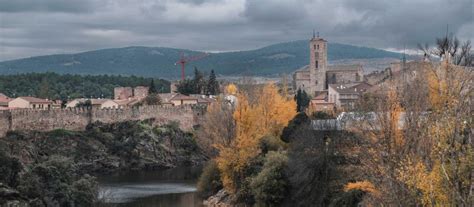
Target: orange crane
<point>186,59</point>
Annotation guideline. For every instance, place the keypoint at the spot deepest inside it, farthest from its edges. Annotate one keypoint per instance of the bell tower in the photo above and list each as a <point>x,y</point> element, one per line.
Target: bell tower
<point>317,64</point>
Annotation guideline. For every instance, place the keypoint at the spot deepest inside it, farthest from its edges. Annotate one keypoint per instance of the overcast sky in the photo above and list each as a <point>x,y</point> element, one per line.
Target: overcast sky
<point>41,27</point>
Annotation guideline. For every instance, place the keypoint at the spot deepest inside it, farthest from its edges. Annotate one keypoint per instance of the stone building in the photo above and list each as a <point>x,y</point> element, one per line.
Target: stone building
<point>315,77</point>
<point>140,92</point>
<point>346,95</point>
<point>30,103</point>
<point>125,93</point>
<point>121,93</point>
<point>4,100</point>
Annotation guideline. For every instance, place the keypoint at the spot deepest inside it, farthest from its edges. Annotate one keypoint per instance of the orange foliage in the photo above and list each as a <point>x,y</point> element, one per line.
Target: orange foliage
<point>365,186</point>
<point>268,116</point>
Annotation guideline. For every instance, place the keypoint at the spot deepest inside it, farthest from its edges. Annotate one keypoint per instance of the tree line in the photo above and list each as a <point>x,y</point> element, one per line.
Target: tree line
<point>199,85</point>
<point>63,87</point>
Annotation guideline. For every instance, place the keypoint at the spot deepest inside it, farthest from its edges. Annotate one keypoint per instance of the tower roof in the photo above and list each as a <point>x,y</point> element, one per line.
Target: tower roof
<point>316,37</point>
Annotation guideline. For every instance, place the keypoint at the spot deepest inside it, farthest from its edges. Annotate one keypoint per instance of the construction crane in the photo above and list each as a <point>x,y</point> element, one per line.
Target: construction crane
<point>186,59</point>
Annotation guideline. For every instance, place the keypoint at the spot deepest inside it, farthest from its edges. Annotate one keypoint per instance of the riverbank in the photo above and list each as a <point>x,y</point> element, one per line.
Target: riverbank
<point>69,158</point>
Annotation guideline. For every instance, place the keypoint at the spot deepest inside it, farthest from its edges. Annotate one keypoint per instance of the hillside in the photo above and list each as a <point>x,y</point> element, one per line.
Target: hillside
<point>159,61</point>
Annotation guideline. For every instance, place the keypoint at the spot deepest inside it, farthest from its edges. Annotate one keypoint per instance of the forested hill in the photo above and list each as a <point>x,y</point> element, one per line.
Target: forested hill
<point>159,61</point>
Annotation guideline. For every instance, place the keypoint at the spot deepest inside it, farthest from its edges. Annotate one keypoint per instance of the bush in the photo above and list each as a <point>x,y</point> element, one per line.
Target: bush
<point>300,120</point>
<point>210,180</point>
<point>270,186</point>
<point>321,115</point>
<point>349,198</point>
<point>271,143</point>
<point>9,169</point>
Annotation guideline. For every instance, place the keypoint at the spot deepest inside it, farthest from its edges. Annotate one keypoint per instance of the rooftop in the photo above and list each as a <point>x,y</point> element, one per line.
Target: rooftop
<point>35,100</point>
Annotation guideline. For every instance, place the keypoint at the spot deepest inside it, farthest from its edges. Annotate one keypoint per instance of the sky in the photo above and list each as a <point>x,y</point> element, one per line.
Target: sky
<point>42,27</point>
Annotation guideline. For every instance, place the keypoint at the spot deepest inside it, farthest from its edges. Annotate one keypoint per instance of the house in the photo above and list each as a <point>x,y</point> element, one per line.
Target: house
<point>321,103</point>
<point>346,95</point>
<point>30,103</point>
<point>166,98</point>
<point>96,103</point>
<point>180,99</point>
<point>4,100</point>
<point>203,99</point>
<point>127,103</point>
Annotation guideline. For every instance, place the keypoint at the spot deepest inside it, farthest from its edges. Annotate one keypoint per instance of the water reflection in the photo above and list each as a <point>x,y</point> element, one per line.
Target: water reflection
<point>174,187</point>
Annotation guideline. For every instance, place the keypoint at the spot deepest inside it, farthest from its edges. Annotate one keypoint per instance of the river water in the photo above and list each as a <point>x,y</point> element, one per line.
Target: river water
<point>173,187</point>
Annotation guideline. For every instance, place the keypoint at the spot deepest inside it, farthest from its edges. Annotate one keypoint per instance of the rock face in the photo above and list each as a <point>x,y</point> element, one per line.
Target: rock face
<point>107,148</point>
<point>220,199</point>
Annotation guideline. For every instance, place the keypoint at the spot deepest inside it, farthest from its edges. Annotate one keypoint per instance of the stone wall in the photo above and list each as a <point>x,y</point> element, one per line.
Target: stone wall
<point>79,118</point>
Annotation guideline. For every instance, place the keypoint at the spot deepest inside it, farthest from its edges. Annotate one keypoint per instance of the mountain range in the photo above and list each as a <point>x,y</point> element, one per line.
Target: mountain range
<point>160,61</point>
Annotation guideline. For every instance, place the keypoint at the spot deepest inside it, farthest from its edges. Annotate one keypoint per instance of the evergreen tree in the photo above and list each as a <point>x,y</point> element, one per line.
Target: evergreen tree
<point>152,88</point>
<point>186,87</point>
<point>212,84</point>
<point>302,100</point>
<point>198,81</point>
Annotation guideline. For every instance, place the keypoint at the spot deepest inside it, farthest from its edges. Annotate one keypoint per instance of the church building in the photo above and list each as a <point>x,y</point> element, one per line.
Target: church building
<point>318,75</point>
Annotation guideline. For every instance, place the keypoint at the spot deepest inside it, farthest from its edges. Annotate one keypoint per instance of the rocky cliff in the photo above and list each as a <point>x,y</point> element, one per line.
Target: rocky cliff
<point>100,149</point>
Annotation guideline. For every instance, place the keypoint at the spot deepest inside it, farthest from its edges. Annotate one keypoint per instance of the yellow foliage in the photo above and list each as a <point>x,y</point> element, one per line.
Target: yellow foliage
<point>429,182</point>
<point>365,186</point>
<point>269,115</point>
<point>231,89</point>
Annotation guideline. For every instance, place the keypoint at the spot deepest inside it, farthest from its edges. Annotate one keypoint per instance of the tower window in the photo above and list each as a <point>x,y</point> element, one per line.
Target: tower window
<point>314,46</point>
<point>316,64</point>
<point>318,47</point>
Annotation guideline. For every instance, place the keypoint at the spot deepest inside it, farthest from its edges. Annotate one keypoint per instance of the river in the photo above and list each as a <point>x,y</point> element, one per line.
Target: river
<point>173,187</point>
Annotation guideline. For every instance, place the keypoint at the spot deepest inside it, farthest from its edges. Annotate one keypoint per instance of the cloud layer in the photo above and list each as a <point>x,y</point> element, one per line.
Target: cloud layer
<point>40,27</point>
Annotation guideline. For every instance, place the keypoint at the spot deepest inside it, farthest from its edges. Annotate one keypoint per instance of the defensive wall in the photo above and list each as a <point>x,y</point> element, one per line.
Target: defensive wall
<point>78,118</point>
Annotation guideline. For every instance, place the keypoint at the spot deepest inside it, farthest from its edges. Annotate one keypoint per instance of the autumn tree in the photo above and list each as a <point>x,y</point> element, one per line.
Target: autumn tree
<point>217,129</point>
<point>267,116</point>
<point>419,146</point>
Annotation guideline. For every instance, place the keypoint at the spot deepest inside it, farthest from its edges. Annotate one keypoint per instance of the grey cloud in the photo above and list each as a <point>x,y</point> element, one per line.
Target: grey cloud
<point>73,6</point>
<point>238,24</point>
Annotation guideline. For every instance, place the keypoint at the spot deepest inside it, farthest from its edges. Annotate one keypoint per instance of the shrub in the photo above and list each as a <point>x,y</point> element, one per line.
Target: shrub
<point>301,119</point>
<point>349,198</point>
<point>271,143</point>
<point>210,180</point>
<point>270,186</point>
<point>321,115</point>
<point>9,169</point>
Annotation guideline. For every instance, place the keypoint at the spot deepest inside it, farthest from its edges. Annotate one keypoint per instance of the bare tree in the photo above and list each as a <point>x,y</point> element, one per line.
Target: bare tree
<point>218,128</point>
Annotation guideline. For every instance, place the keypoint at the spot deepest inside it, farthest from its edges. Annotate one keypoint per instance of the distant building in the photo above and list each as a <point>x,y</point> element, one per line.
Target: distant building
<point>180,99</point>
<point>4,100</point>
<point>346,95</point>
<point>140,92</point>
<point>123,93</point>
<point>316,77</point>
<point>30,103</point>
<point>95,103</point>
<point>321,103</point>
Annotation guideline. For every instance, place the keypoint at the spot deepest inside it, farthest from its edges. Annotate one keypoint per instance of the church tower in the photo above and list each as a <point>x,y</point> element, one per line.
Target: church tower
<point>317,64</point>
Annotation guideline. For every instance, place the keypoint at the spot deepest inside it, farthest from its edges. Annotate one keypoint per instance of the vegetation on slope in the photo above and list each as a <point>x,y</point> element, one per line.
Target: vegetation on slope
<point>56,86</point>
<point>55,168</point>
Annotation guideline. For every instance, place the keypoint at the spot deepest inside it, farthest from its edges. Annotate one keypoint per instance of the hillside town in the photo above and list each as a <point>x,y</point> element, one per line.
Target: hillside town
<point>236,103</point>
